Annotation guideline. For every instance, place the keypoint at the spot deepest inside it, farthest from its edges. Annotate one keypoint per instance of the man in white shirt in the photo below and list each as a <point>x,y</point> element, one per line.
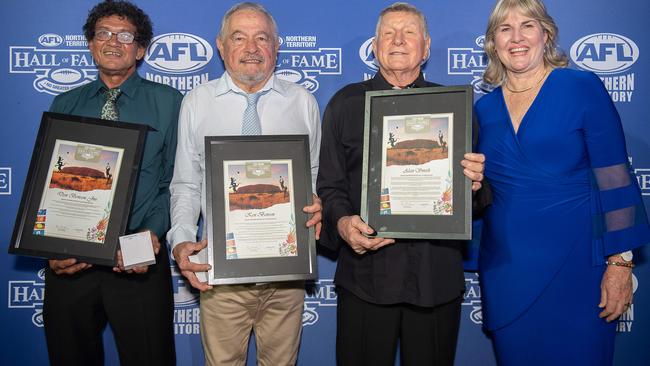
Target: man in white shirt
<point>248,44</point>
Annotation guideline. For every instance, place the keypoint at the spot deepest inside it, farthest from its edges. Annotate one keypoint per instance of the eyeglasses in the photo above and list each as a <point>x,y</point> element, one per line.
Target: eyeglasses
<point>122,37</point>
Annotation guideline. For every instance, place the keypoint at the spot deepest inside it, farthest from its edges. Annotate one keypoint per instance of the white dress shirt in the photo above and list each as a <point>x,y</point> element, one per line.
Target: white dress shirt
<point>216,108</point>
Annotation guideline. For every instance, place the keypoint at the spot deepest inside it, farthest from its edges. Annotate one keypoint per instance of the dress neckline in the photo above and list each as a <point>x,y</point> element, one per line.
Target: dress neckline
<point>533,105</point>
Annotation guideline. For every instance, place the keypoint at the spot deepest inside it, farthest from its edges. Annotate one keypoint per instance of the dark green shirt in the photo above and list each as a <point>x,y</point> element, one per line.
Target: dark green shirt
<point>142,102</point>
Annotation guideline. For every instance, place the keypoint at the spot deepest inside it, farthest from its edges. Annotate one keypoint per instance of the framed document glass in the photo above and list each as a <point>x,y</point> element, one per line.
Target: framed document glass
<point>79,187</point>
<point>256,187</point>
<point>413,184</point>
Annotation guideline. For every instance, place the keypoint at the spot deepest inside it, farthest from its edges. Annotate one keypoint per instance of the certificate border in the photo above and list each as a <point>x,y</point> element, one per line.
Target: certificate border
<point>94,131</point>
<point>253,270</point>
<point>456,226</point>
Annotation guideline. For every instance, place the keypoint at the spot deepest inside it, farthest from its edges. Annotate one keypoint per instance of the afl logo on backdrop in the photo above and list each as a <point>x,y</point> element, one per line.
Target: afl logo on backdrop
<point>50,40</point>
<point>184,294</point>
<point>367,56</point>
<point>178,60</point>
<point>604,53</point>
<point>480,41</point>
<point>178,53</point>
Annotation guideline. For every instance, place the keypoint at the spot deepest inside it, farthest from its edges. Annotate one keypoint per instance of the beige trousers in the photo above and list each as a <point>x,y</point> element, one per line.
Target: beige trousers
<point>272,310</point>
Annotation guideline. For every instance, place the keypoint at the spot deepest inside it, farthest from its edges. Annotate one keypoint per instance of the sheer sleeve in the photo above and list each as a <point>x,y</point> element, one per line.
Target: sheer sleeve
<point>620,221</point>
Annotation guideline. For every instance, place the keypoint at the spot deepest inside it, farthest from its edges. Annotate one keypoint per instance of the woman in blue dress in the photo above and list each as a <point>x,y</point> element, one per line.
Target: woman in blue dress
<point>555,260</point>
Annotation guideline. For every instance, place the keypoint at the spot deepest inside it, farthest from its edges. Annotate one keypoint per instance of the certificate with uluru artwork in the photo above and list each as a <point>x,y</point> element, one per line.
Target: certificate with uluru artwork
<point>256,188</point>
<point>412,181</point>
<point>78,192</point>
<point>76,203</point>
<point>260,215</point>
<point>416,170</point>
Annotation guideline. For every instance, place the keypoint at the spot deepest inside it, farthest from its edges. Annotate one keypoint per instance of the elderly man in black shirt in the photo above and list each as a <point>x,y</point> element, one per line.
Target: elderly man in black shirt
<point>409,290</point>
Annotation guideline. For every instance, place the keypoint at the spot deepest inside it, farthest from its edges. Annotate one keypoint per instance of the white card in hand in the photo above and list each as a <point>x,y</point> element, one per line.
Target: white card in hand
<point>137,250</point>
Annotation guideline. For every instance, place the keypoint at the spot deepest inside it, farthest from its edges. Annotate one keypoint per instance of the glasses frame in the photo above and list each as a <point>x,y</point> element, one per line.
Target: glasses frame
<point>110,33</point>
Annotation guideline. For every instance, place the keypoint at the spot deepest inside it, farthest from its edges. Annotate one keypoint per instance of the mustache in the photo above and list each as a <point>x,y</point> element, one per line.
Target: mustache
<point>252,58</point>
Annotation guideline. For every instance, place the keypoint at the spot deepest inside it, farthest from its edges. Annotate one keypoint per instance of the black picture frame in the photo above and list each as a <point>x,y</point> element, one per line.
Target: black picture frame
<point>223,150</point>
<point>452,104</point>
<point>60,129</point>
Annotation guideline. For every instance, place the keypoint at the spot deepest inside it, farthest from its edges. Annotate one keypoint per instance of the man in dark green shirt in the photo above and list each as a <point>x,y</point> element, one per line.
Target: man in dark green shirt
<point>137,304</point>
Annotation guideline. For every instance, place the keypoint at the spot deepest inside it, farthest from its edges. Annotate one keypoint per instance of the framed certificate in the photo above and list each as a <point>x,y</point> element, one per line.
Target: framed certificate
<point>78,190</point>
<point>412,181</point>
<point>256,188</point>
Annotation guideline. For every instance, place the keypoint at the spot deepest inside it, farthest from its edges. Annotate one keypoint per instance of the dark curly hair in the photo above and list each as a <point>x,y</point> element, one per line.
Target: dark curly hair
<point>135,15</point>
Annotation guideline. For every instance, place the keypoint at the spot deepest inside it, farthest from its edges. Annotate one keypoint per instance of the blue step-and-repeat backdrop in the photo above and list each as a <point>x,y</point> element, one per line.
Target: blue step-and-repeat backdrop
<point>325,45</point>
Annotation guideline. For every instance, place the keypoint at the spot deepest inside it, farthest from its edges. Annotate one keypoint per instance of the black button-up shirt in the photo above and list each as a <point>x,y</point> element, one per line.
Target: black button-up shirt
<point>418,272</point>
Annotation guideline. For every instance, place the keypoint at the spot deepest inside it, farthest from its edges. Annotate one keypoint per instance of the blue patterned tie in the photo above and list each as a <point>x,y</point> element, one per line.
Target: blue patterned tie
<point>109,110</point>
<point>251,122</point>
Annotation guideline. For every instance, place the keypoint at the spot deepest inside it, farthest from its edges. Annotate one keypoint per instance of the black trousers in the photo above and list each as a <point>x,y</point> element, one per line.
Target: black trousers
<point>368,334</point>
<point>139,309</point>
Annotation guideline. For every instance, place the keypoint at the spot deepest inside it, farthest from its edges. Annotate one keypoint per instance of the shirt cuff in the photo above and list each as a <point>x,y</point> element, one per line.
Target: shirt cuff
<point>178,234</point>
<point>337,212</point>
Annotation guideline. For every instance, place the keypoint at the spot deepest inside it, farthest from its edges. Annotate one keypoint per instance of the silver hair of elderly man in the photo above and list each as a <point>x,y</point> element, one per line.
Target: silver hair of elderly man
<point>247,6</point>
<point>407,8</point>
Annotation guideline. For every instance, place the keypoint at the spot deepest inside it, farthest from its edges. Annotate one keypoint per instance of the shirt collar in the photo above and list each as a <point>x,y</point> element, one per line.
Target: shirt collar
<point>225,85</point>
<point>129,87</point>
<point>380,83</point>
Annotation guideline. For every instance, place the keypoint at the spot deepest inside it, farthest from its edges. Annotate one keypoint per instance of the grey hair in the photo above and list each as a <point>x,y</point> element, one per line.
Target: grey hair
<point>407,8</point>
<point>247,6</point>
<point>496,73</point>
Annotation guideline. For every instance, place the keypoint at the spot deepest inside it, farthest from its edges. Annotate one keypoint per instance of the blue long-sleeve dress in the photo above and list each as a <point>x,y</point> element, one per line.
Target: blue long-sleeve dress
<point>563,200</point>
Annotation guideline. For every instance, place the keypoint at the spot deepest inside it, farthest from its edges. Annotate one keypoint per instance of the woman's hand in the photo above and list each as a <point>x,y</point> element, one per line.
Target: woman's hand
<point>616,291</point>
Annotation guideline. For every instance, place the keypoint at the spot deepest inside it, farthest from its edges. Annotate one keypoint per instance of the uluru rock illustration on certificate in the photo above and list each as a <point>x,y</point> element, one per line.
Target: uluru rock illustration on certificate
<point>416,140</point>
<point>83,168</point>
<point>258,185</point>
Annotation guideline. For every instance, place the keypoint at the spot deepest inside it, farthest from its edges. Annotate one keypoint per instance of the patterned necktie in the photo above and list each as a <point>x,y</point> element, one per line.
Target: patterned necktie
<point>251,122</point>
<point>109,110</point>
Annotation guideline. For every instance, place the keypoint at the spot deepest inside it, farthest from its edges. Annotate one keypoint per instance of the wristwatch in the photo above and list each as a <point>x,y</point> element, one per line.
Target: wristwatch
<point>627,256</point>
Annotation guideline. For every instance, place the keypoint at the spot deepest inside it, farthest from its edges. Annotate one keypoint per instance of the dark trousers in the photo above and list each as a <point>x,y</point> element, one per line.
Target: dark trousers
<point>138,307</point>
<point>368,334</point>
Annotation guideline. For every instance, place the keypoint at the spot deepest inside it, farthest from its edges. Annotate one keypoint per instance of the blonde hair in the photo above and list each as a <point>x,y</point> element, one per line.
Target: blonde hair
<point>495,74</point>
